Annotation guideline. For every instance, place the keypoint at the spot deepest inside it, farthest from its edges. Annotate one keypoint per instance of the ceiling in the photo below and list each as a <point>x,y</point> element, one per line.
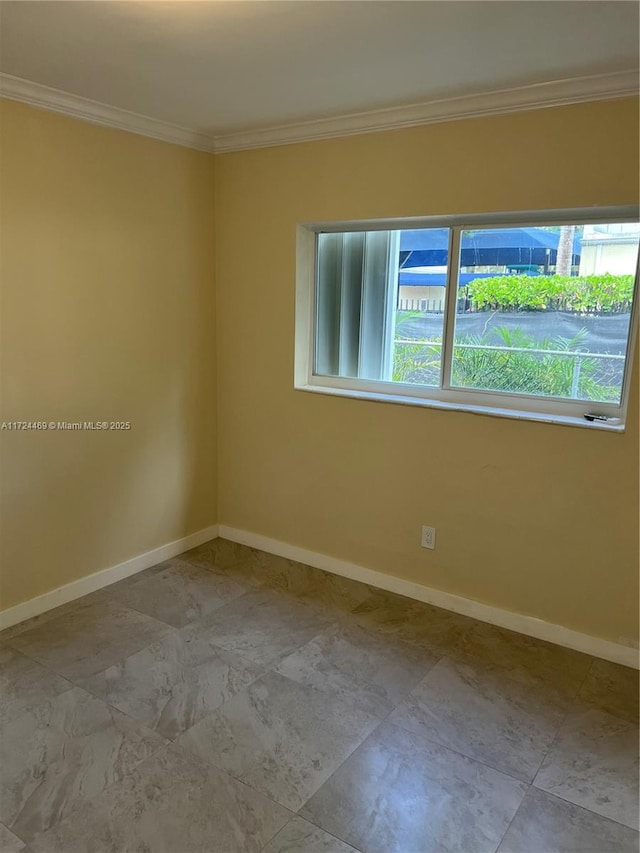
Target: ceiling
<point>223,67</point>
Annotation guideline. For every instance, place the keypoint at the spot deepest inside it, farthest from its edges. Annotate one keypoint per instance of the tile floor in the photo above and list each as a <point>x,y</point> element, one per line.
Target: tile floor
<point>230,701</point>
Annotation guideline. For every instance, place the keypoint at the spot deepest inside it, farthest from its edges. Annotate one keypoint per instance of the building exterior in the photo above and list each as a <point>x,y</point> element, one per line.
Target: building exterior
<point>609,248</point>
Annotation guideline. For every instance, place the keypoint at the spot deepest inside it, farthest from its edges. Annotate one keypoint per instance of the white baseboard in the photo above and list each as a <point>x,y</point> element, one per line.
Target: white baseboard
<point>83,586</point>
<point>519,622</point>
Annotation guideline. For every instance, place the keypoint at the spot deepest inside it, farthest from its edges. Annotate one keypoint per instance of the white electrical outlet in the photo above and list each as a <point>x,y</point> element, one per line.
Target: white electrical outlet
<point>428,537</point>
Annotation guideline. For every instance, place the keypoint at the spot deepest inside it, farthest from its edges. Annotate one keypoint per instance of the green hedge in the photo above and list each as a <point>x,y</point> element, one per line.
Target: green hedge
<point>582,294</point>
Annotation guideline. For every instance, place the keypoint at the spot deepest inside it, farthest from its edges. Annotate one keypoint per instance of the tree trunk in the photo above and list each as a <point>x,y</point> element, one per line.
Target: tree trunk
<point>565,250</point>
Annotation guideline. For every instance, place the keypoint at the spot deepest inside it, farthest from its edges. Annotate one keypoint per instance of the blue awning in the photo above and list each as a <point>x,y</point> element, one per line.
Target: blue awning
<point>483,247</point>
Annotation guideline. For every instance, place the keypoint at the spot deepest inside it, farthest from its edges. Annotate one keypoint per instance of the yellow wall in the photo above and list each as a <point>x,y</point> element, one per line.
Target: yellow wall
<point>530,517</point>
<point>108,314</point>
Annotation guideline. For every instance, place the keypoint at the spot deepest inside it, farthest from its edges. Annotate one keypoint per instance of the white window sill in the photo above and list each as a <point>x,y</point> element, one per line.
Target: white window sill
<point>491,411</point>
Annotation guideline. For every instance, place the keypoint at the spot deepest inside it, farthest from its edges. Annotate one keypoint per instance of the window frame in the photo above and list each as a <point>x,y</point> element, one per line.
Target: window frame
<point>497,403</point>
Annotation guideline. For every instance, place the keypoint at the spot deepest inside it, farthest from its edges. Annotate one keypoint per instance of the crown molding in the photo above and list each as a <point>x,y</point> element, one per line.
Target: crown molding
<point>55,100</point>
<point>554,93</point>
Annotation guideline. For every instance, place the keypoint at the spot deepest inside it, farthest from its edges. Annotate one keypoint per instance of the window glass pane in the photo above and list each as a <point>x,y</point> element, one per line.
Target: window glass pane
<point>545,310</point>
<point>420,303</point>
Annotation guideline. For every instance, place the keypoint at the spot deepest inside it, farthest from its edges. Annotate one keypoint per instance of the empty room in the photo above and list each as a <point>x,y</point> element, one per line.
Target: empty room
<point>319,426</point>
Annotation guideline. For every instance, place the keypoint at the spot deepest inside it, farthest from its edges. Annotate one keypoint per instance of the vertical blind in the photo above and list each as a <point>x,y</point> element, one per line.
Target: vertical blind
<point>357,275</point>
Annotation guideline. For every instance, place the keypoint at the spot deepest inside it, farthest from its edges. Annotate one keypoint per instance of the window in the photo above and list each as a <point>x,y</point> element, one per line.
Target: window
<point>528,315</point>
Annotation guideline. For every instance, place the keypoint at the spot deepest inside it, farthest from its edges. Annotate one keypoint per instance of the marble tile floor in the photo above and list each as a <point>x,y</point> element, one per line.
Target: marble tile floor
<point>231,701</point>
